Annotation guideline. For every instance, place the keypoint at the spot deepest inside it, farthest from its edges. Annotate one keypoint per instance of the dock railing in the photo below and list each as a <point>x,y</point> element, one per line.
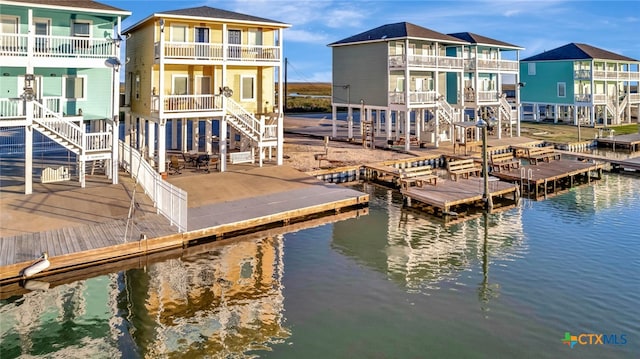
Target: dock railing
<point>169,200</point>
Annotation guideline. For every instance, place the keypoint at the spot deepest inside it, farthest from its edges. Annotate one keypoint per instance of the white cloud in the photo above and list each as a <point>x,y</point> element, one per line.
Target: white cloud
<point>294,35</point>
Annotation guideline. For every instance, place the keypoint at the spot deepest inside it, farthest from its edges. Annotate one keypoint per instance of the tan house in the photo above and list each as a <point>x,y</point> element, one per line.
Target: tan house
<point>408,82</point>
<point>204,80</point>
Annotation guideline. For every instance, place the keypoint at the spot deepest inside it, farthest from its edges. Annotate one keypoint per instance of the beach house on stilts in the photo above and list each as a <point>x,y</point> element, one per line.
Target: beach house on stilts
<point>205,81</point>
<point>59,75</point>
<point>580,84</point>
<point>399,74</point>
<point>489,64</point>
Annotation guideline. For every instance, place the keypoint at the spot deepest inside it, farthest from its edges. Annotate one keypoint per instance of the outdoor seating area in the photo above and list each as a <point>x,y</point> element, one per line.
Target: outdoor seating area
<point>542,154</point>
<point>463,168</point>
<point>504,161</point>
<point>194,161</point>
<point>417,176</point>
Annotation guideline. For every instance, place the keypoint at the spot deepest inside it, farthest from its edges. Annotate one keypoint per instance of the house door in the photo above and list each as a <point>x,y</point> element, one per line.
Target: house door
<point>235,38</point>
<point>202,42</point>
<point>41,29</point>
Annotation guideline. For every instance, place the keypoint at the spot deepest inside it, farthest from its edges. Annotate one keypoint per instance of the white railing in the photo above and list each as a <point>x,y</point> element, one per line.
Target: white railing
<point>11,108</point>
<point>169,200</point>
<point>447,62</point>
<point>634,97</point>
<point>187,103</point>
<point>213,51</point>
<point>487,96</point>
<point>396,97</point>
<point>270,132</point>
<point>599,98</point>
<point>73,46</point>
<point>583,98</point>
<point>422,97</point>
<point>13,44</point>
<point>52,122</point>
<point>582,74</point>
<point>97,141</point>
<point>246,122</point>
<point>56,46</point>
<point>446,110</point>
<point>508,65</point>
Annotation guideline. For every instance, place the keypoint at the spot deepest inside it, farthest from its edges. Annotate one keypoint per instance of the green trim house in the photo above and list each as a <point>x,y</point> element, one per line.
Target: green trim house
<point>580,84</point>
<point>59,71</point>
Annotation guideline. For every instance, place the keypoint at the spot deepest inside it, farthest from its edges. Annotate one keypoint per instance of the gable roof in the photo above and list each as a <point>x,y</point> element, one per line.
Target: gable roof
<point>483,40</point>
<point>88,5</point>
<point>398,30</point>
<point>575,51</point>
<point>206,13</point>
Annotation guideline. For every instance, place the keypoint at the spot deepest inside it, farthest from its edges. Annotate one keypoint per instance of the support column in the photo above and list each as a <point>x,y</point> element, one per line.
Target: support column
<point>349,123</point>
<point>127,128</point>
<point>223,144</point>
<point>195,135</point>
<point>162,145</point>
<point>555,113</point>
<point>437,129</point>
<point>387,124</point>
<point>208,135</point>
<point>152,142</point>
<point>334,117</point>
<point>407,130</point>
<point>183,135</point>
<point>28,150</point>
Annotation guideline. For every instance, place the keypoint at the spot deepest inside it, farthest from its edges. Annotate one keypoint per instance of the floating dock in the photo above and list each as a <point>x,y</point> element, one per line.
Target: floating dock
<point>454,197</point>
<point>554,177</point>
<point>630,141</point>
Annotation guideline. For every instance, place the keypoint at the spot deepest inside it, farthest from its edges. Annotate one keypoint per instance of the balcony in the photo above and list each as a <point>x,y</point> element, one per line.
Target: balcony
<point>608,75</point>
<point>13,108</point>
<point>206,52</point>
<point>426,61</point>
<point>187,103</point>
<point>490,65</point>
<point>21,45</point>
<point>415,97</point>
<point>584,98</point>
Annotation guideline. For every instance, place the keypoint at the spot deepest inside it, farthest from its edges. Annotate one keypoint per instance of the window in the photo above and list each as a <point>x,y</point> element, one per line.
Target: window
<point>255,36</point>
<point>532,69</point>
<point>562,89</point>
<point>247,88</point>
<point>75,88</point>
<point>137,86</point>
<point>41,27</point>
<point>81,29</point>
<point>179,33</point>
<point>180,85</point>
<point>9,25</point>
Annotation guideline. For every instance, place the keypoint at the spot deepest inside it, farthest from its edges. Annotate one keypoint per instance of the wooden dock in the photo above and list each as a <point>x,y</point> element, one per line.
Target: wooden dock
<point>63,276</point>
<point>547,178</point>
<point>630,141</point>
<point>458,196</point>
<point>233,209</point>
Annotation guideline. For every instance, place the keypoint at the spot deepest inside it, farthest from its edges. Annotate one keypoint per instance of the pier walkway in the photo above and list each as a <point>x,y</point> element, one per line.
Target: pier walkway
<point>85,227</point>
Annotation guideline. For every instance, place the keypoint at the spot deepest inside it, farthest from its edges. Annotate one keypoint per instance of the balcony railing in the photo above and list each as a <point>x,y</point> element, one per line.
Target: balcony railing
<point>582,98</point>
<point>490,65</point>
<point>488,96</point>
<point>425,61</point>
<point>217,52</point>
<point>422,97</point>
<point>616,75</point>
<point>187,103</point>
<point>14,107</point>
<point>56,46</point>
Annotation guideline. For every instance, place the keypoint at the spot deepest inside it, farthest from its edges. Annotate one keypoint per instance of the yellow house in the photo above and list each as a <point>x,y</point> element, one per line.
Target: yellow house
<point>198,75</point>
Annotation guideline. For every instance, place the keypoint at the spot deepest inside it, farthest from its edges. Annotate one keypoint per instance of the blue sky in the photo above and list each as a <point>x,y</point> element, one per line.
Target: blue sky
<point>534,25</point>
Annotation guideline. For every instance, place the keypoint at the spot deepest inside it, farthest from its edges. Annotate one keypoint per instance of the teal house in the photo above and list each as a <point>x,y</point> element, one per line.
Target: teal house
<point>580,84</point>
<point>59,74</point>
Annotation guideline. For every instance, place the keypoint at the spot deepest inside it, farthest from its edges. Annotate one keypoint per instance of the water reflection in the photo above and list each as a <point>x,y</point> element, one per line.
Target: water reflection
<point>421,252</point>
<point>227,301</point>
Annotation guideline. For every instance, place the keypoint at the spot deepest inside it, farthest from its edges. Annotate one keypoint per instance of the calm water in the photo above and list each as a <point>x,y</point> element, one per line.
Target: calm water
<point>390,284</point>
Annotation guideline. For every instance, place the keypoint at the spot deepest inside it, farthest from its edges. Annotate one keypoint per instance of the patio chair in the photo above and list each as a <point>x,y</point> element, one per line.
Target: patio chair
<point>202,162</point>
<point>188,159</point>
<point>175,166</point>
